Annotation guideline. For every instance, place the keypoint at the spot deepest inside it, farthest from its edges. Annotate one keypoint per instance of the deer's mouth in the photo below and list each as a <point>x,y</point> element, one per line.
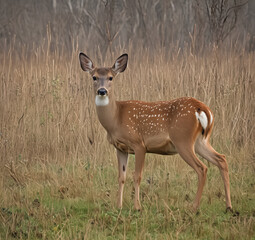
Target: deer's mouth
<point>102,98</point>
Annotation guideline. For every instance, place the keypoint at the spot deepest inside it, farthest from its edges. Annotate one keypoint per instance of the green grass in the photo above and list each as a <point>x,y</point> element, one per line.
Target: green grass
<point>76,201</point>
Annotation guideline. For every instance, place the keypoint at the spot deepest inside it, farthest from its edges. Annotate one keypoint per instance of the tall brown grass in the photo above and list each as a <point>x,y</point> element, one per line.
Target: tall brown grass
<point>50,135</point>
<point>47,106</point>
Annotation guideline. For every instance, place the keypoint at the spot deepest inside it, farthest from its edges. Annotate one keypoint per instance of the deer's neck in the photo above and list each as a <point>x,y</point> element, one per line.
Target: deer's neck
<point>107,112</point>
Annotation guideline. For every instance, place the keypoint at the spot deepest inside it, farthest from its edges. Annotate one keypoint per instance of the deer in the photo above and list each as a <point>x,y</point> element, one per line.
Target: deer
<point>180,126</point>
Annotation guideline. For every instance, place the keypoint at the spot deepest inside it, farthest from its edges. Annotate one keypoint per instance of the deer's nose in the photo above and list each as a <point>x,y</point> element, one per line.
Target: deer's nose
<point>101,91</point>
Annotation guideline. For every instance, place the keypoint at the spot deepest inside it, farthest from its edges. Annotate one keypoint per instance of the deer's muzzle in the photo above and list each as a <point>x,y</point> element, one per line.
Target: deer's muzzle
<point>102,91</point>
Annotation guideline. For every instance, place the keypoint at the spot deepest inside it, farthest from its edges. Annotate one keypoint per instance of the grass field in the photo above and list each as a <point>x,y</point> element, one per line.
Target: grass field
<point>58,175</point>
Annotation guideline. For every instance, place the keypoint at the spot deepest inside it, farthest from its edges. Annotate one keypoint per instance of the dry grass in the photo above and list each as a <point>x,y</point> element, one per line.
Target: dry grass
<point>58,174</point>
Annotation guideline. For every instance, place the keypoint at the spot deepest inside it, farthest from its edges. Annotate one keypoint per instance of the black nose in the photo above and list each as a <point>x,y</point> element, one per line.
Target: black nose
<point>102,91</point>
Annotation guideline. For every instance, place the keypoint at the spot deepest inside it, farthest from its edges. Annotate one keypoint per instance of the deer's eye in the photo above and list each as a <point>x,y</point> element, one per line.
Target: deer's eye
<point>110,78</point>
<point>94,78</point>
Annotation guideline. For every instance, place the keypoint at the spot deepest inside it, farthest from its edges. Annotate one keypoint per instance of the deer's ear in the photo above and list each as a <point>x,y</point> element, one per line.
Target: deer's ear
<point>120,64</point>
<point>86,63</point>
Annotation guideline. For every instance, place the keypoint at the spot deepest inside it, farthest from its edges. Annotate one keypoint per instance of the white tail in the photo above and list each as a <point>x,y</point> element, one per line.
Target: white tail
<point>182,126</point>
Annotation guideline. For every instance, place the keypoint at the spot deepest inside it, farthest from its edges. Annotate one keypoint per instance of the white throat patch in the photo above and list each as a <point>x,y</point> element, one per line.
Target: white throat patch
<point>102,100</point>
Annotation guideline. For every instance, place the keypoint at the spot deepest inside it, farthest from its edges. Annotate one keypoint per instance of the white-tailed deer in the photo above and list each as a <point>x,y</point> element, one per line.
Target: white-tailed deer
<point>182,125</point>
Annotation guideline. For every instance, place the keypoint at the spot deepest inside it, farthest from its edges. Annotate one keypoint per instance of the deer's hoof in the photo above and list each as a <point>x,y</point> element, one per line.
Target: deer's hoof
<point>235,213</point>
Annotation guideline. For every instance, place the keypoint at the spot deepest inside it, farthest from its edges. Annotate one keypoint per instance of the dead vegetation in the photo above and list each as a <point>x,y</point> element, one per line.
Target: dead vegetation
<point>58,176</point>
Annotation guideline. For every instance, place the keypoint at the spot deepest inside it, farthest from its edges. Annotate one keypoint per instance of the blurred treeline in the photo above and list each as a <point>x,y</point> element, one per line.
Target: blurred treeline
<point>103,25</point>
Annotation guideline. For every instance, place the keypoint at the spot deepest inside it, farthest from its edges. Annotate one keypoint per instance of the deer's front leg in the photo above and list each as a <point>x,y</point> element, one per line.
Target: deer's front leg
<point>139,163</point>
<point>122,163</point>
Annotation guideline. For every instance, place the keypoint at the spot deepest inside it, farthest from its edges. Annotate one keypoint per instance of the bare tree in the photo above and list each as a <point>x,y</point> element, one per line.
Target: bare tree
<point>107,24</point>
<point>220,16</point>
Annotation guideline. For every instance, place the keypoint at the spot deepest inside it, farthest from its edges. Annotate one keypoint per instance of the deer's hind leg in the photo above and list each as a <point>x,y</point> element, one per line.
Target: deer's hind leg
<point>187,153</point>
<point>205,150</point>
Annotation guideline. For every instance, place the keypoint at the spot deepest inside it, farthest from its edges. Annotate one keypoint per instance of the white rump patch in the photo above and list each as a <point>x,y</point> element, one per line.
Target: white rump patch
<point>202,119</point>
<point>102,100</point>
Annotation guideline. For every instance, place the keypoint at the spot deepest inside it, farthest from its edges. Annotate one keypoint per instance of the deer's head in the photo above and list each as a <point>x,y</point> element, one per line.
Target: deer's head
<point>103,76</point>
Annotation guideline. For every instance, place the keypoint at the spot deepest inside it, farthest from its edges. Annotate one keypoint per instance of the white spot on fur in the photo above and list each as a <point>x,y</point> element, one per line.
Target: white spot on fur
<point>102,100</point>
<point>202,119</point>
